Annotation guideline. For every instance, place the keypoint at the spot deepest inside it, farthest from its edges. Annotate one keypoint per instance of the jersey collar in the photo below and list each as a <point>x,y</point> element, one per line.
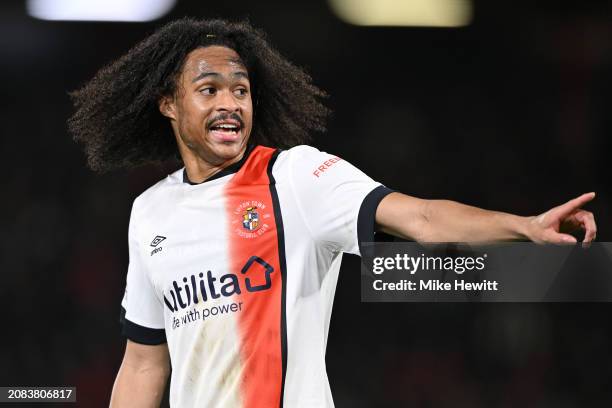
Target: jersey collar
<point>231,169</point>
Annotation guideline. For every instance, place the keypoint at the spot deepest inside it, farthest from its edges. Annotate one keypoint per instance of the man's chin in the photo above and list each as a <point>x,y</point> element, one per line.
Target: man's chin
<point>228,150</point>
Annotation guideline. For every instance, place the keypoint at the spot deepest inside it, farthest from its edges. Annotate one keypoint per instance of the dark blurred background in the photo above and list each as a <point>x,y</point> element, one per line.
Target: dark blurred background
<point>511,112</point>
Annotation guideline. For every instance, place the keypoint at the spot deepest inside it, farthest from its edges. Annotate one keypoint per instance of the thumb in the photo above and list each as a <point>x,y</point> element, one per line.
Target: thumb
<point>559,238</point>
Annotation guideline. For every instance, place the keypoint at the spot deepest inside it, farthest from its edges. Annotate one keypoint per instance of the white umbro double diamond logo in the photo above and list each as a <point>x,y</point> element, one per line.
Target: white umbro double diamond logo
<point>156,241</point>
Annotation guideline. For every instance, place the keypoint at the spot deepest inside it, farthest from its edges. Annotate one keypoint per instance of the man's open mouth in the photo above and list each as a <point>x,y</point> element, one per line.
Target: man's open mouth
<point>228,127</point>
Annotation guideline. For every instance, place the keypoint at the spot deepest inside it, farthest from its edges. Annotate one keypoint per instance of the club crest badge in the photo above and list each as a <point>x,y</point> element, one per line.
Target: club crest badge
<point>251,219</point>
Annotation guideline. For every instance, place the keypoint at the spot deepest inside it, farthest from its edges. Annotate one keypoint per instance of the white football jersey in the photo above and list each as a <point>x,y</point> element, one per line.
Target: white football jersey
<point>238,275</point>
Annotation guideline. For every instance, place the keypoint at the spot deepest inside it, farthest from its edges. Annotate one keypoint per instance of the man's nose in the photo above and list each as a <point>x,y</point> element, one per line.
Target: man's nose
<point>227,102</point>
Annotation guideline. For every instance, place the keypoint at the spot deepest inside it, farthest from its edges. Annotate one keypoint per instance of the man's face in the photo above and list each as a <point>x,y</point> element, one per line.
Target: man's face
<point>212,110</point>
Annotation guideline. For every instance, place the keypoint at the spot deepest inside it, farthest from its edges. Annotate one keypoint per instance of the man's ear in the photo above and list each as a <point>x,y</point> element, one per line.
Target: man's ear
<point>167,106</point>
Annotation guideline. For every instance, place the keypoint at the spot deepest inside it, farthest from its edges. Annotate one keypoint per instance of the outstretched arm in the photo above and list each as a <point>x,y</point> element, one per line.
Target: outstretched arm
<point>448,221</point>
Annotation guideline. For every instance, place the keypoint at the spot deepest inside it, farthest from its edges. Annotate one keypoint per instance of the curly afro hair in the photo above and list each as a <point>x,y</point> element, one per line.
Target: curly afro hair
<point>117,116</point>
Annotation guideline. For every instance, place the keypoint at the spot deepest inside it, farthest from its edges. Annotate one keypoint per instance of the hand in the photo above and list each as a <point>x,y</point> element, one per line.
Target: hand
<point>554,225</point>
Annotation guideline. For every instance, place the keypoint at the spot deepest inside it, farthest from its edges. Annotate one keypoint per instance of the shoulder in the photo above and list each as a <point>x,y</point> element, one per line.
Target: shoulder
<point>304,158</point>
<point>303,152</point>
<point>310,162</point>
<point>158,193</point>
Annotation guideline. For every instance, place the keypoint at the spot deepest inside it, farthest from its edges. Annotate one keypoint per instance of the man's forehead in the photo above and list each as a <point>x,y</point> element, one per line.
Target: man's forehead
<point>213,58</point>
<point>204,65</point>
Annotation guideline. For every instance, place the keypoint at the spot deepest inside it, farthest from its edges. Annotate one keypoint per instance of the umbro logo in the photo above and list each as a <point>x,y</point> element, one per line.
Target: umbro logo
<point>156,241</point>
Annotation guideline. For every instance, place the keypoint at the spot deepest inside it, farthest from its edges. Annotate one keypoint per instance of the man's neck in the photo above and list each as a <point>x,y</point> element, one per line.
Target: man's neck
<point>199,170</point>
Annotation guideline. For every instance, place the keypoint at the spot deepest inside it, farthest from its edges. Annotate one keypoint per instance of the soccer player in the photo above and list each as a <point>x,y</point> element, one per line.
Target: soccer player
<point>234,258</point>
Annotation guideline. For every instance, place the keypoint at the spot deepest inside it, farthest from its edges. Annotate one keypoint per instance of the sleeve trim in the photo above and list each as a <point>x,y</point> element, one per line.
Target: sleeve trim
<point>366,220</point>
<point>141,334</point>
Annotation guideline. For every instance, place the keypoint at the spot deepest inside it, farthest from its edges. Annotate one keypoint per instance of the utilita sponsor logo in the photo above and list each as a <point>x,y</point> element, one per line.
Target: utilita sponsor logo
<point>201,288</point>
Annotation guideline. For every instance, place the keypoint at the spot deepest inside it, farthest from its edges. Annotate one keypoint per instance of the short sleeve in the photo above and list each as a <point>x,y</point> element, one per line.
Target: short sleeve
<point>337,200</point>
<point>142,313</point>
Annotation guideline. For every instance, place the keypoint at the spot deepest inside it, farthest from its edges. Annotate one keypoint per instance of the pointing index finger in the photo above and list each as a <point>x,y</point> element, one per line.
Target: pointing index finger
<point>571,205</point>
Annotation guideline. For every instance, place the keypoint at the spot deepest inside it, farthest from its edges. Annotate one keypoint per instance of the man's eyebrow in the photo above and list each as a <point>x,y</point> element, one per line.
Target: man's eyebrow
<point>242,74</point>
<point>202,75</point>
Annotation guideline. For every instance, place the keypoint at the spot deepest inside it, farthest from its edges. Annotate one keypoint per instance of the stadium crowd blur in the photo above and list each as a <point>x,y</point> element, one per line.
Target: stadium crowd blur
<point>510,113</point>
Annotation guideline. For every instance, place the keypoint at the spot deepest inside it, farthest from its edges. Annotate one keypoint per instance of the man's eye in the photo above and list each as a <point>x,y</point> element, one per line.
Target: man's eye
<point>241,92</point>
<point>208,91</point>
